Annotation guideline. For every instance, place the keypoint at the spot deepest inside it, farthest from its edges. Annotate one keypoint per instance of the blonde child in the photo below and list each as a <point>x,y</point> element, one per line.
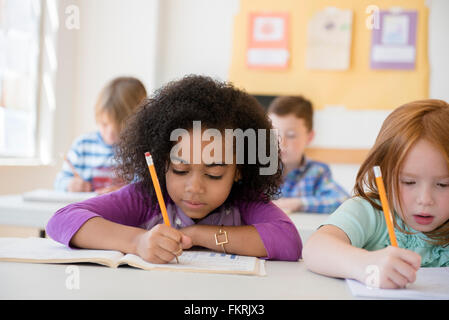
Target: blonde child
<point>412,150</point>
<point>89,162</point>
<point>308,185</point>
<point>206,199</point>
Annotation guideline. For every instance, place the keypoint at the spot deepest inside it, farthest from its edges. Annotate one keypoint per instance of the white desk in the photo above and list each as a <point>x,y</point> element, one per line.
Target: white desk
<point>17,212</point>
<point>284,281</point>
<point>307,223</point>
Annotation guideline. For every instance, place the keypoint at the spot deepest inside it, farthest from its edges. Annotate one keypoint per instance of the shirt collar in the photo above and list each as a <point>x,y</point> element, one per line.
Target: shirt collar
<point>301,168</point>
<point>100,139</point>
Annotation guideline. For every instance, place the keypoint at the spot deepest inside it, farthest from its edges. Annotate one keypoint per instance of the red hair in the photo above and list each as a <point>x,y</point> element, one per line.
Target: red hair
<point>423,119</point>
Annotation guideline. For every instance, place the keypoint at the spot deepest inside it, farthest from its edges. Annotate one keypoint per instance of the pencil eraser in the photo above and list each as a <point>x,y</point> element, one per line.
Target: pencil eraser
<point>148,158</point>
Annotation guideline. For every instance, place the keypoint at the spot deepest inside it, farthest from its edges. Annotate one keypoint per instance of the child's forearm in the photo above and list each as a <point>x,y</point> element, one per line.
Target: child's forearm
<point>242,240</point>
<point>329,252</point>
<point>99,233</point>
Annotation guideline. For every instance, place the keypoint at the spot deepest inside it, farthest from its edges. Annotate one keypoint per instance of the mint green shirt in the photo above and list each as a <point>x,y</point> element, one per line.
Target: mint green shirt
<point>366,228</point>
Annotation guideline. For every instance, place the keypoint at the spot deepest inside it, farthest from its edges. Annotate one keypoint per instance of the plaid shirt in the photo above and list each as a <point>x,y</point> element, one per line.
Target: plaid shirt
<point>312,182</point>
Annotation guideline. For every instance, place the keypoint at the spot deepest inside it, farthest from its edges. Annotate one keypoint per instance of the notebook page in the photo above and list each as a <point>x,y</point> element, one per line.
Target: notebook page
<point>47,195</point>
<point>205,261</point>
<point>48,250</point>
<point>431,283</point>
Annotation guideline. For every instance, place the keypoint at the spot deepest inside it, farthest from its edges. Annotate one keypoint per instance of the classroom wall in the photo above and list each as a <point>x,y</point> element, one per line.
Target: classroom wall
<point>116,38</point>
<point>177,37</point>
<point>212,55</point>
<point>195,36</point>
<point>439,49</point>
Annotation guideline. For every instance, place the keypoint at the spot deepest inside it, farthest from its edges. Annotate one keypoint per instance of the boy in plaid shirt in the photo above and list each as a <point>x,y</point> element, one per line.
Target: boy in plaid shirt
<point>308,185</point>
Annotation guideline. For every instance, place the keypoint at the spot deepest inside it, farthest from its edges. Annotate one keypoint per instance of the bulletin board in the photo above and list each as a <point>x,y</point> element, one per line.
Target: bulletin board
<point>359,86</point>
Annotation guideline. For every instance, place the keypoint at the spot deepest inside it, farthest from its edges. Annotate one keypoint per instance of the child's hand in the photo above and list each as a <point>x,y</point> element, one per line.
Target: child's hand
<point>391,268</point>
<point>109,189</point>
<point>288,205</point>
<point>162,244</point>
<point>77,184</point>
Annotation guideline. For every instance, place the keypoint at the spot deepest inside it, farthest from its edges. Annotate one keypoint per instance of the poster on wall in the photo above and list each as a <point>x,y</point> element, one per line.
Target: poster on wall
<point>393,44</point>
<point>329,40</point>
<point>268,41</point>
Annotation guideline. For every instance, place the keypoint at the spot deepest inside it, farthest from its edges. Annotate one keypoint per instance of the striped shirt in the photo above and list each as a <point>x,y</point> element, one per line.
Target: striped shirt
<point>92,159</point>
<point>312,182</point>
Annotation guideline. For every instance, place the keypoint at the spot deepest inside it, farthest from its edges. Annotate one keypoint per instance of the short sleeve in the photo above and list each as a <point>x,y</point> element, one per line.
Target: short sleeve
<point>277,232</point>
<point>360,221</point>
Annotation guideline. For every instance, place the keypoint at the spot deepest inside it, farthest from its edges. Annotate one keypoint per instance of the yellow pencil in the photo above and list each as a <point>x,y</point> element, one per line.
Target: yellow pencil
<point>72,168</point>
<point>157,187</point>
<point>385,205</point>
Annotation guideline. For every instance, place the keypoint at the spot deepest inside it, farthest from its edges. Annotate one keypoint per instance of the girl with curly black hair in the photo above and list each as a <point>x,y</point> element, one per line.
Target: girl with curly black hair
<point>213,203</point>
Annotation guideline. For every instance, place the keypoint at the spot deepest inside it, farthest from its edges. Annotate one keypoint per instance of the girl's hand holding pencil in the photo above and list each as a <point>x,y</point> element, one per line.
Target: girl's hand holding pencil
<point>77,184</point>
<point>161,244</point>
<point>395,267</point>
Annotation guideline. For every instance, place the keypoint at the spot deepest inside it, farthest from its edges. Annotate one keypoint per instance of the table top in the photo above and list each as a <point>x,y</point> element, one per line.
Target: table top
<point>14,210</point>
<point>284,281</point>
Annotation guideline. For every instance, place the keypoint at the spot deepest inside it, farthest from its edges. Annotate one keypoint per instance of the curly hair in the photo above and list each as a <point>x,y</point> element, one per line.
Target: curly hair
<point>218,105</point>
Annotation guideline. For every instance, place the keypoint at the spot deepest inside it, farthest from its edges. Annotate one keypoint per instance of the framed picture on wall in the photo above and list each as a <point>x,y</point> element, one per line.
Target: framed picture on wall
<point>394,42</point>
<point>268,39</point>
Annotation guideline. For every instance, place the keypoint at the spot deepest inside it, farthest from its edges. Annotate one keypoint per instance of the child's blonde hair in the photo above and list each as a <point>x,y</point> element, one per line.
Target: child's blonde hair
<point>423,119</point>
<point>119,99</point>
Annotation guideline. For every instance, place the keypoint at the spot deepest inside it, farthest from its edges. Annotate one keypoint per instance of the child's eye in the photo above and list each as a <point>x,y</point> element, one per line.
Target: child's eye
<point>214,177</point>
<point>180,172</point>
<point>408,182</point>
<point>443,185</point>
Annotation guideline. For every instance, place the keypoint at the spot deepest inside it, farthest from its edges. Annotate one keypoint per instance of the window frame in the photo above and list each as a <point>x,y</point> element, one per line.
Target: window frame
<point>44,97</point>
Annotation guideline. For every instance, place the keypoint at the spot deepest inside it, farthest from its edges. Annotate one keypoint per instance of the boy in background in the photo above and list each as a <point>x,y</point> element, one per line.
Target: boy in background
<point>89,164</point>
<point>308,185</point>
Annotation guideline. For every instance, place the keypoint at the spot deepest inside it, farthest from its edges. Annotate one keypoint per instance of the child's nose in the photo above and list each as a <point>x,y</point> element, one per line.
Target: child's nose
<point>425,197</point>
<point>194,184</point>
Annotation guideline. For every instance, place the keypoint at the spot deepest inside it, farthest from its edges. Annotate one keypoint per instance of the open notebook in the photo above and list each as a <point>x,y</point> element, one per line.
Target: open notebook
<point>48,195</point>
<point>40,250</point>
<point>431,283</point>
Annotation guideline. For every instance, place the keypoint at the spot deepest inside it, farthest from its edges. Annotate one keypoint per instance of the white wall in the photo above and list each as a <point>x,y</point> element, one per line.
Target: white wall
<point>195,36</point>
<point>115,38</point>
<point>439,49</point>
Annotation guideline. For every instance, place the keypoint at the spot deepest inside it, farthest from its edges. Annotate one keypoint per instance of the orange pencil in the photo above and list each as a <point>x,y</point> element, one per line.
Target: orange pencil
<point>385,205</point>
<point>157,187</point>
<point>72,168</point>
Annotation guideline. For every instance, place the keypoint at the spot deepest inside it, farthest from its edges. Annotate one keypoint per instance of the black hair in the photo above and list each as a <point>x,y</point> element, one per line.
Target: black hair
<point>217,105</point>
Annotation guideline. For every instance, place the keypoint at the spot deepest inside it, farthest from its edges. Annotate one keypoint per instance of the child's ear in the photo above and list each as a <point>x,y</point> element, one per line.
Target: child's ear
<point>310,136</point>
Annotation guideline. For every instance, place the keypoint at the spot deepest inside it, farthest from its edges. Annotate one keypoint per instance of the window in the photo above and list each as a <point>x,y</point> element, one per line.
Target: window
<point>20,30</point>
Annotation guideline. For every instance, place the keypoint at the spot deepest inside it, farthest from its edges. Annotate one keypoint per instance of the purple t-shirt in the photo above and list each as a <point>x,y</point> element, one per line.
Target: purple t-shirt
<point>128,206</point>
